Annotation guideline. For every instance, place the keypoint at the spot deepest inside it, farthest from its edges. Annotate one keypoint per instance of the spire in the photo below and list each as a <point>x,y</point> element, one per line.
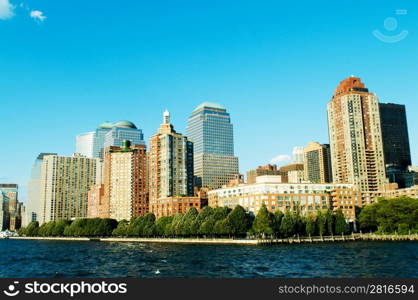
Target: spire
<point>166,117</point>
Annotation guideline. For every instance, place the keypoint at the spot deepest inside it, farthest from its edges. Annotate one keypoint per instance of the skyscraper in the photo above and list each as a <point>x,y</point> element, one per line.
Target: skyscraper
<point>395,143</point>
<point>355,136</point>
<point>297,155</point>
<point>34,193</point>
<point>317,163</point>
<point>10,217</point>
<point>211,131</point>
<point>125,182</point>
<point>170,163</point>
<point>65,182</point>
<point>92,144</point>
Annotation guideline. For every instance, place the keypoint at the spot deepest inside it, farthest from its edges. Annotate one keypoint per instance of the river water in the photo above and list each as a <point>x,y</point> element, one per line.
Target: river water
<point>44,259</point>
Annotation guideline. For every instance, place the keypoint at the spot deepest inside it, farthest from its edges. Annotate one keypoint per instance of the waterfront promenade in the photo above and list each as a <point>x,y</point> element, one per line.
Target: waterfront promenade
<point>219,241</point>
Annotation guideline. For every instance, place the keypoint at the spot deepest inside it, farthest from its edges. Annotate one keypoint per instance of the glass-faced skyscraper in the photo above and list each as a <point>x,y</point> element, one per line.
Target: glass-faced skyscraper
<point>396,143</point>
<point>211,131</point>
<point>92,144</point>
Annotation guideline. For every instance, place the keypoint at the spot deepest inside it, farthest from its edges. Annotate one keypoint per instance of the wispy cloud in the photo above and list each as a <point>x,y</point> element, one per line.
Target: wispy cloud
<point>37,15</point>
<point>280,159</point>
<point>6,10</point>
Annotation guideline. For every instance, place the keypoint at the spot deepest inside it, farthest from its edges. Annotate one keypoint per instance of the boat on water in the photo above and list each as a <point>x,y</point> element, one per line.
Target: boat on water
<point>7,234</point>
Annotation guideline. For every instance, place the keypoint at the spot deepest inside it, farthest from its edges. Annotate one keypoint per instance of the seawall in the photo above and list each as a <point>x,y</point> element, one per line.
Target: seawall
<point>254,242</point>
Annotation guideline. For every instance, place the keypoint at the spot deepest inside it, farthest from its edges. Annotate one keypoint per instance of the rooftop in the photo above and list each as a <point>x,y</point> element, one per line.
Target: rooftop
<point>209,105</point>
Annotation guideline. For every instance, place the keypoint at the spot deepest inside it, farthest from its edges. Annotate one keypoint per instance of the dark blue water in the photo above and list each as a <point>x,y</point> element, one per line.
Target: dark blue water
<point>19,258</point>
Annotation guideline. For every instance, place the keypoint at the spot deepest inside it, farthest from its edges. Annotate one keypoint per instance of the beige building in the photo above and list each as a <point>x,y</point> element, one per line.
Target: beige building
<point>64,185</point>
<point>261,171</point>
<point>293,173</point>
<point>125,183</point>
<point>170,164</point>
<point>317,163</point>
<point>307,197</point>
<point>355,136</point>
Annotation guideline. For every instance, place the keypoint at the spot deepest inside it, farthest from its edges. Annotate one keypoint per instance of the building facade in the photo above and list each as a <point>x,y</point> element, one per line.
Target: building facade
<point>317,163</point>
<point>64,185</point>
<point>10,208</point>
<point>211,131</point>
<point>261,171</point>
<point>125,183</point>
<point>293,173</point>
<point>297,155</point>
<point>170,164</point>
<point>355,136</point>
<point>306,197</point>
<point>34,192</point>
<point>396,146</point>
<point>92,144</point>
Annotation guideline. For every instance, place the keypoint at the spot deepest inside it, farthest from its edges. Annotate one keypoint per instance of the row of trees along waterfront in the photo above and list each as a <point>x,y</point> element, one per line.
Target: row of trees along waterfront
<point>398,215</point>
<point>210,222</point>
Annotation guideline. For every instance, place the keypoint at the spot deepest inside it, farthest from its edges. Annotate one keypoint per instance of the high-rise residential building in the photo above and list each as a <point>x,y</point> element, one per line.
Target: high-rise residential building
<point>297,155</point>
<point>355,136</point>
<point>34,192</point>
<point>92,144</point>
<point>170,163</point>
<point>64,184</point>
<point>125,183</point>
<point>317,163</point>
<point>10,212</point>
<point>211,131</point>
<point>292,173</point>
<point>396,143</point>
<point>261,171</point>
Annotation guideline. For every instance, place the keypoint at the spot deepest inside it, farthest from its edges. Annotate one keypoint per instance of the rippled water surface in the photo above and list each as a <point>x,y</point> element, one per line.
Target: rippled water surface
<point>24,258</point>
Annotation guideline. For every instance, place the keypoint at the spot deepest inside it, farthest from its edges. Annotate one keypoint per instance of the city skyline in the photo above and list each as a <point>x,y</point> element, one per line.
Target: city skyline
<point>255,76</point>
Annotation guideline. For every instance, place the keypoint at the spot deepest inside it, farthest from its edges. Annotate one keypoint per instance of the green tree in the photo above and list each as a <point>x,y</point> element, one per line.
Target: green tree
<point>263,222</point>
<point>58,229</point>
<point>32,229</point>
<point>237,222</point>
<point>162,224</point>
<point>310,226</point>
<point>207,227</point>
<point>185,226</point>
<point>223,228</point>
<point>122,229</point>
<point>321,222</point>
<point>341,226</point>
<point>278,217</point>
<point>329,216</point>
<point>368,218</point>
<point>288,227</point>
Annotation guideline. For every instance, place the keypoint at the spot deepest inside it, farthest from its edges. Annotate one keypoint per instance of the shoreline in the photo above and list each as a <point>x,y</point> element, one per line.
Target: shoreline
<point>243,242</point>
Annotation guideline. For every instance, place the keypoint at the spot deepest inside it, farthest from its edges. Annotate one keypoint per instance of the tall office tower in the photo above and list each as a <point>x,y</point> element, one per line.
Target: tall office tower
<point>9,212</point>
<point>396,143</point>
<point>85,144</point>
<point>355,136</point>
<point>211,131</point>
<point>170,163</point>
<point>317,163</point>
<point>297,155</point>
<point>261,171</point>
<point>125,182</point>
<point>65,182</point>
<point>92,144</point>
<point>34,192</point>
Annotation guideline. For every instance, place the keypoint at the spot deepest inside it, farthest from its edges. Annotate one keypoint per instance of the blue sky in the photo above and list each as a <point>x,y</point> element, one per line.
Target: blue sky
<point>67,66</point>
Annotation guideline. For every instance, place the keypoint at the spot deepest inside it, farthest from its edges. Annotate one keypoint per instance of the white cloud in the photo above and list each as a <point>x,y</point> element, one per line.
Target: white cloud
<point>6,10</point>
<point>280,158</point>
<point>37,15</point>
